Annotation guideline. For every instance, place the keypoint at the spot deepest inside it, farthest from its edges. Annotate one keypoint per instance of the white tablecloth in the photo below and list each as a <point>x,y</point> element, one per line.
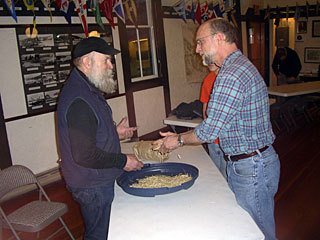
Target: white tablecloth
<point>206,211</point>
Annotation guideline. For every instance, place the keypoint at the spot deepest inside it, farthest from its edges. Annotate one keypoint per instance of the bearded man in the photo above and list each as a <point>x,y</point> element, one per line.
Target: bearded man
<point>238,114</point>
<point>91,157</point>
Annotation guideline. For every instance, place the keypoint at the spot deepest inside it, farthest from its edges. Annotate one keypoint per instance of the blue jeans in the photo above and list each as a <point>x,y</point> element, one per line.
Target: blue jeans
<point>217,157</point>
<point>95,206</point>
<point>254,181</point>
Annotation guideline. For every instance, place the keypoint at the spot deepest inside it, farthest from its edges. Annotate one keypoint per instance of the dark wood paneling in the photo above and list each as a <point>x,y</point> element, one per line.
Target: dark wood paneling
<point>256,49</point>
<point>5,160</point>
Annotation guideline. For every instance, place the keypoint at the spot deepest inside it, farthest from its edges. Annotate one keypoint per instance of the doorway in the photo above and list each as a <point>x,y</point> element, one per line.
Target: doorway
<point>257,47</point>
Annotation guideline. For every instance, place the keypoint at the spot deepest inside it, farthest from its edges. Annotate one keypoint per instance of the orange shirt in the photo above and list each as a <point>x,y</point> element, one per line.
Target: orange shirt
<point>207,86</point>
<point>206,89</point>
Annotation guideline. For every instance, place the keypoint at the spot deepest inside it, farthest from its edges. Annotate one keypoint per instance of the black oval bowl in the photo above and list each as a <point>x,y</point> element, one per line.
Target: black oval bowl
<point>170,169</point>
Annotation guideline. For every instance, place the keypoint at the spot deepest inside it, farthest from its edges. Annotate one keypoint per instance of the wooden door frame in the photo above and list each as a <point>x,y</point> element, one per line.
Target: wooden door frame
<point>266,44</point>
<point>5,160</point>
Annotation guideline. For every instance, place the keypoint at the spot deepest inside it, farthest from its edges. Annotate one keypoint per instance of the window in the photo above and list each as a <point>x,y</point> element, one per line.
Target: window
<point>141,43</point>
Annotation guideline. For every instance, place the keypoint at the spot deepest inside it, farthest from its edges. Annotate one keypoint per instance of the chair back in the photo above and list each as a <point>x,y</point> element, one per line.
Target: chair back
<point>14,177</point>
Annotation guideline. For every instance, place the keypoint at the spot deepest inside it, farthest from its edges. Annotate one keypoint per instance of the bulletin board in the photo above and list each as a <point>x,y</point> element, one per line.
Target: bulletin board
<point>46,62</point>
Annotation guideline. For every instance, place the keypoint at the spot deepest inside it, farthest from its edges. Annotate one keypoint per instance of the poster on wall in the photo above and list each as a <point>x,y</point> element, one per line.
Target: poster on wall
<point>195,70</point>
<point>46,62</point>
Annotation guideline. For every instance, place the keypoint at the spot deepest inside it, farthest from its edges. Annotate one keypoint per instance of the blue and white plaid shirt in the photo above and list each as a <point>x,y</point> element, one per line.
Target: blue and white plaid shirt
<point>238,110</point>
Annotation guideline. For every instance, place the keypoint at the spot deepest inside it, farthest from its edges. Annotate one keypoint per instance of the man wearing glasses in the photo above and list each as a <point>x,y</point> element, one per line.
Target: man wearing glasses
<point>238,114</point>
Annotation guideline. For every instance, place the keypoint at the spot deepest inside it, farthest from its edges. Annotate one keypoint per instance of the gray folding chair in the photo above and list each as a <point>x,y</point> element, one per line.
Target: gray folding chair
<point>33,216</point>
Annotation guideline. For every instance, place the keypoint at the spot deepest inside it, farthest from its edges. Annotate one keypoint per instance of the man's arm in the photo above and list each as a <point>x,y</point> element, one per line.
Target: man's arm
<point>123,130</point>
<point>172,141</point>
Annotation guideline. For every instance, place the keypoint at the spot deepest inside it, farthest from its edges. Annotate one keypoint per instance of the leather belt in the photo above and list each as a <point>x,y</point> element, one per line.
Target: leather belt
<point>235,158</point>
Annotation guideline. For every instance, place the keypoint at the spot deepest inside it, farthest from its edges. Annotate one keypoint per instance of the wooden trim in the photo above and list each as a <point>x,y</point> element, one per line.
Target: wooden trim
<point>161,53</point>
<point>6,160</point>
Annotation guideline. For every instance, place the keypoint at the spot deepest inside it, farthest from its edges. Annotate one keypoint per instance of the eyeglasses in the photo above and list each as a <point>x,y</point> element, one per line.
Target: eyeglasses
<point>199,41</point>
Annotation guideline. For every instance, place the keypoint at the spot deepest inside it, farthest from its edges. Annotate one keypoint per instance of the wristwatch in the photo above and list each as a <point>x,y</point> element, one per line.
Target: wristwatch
<point>180,140</point>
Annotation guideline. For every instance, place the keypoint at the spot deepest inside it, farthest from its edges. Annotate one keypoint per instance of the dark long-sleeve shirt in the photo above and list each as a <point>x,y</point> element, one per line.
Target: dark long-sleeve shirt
<point>289,66</point>
<point>82,125</point>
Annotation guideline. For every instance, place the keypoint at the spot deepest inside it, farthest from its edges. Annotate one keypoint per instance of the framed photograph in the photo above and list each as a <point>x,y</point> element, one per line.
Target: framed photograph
<point>312,55</point>
<point>46,62</point>
<point>302,27</point>
<point>316,28</point>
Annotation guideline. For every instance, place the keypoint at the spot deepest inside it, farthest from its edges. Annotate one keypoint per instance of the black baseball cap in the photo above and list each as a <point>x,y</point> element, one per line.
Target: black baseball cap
<point>90,44</point>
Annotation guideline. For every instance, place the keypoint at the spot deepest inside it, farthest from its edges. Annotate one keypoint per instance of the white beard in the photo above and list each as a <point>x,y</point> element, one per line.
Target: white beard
<point>207,59</point>
<point>103,80</point>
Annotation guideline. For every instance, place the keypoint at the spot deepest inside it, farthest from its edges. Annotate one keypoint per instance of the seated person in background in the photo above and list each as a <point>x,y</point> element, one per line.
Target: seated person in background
<point>215,151</point>
<point>286,65</point>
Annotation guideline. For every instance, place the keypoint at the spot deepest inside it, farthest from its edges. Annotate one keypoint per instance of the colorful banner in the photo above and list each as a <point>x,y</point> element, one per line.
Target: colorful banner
<point>197,15</point>
<point>131,11</point>
<point>66,7</point>
<point>106,7</point>
<point>29,4</point>
<point>180,8</point>
<point>94,5</point>
<point>11,8</point>
<point>46,3</point>
<point>118,10</point>
<point>81,9</point>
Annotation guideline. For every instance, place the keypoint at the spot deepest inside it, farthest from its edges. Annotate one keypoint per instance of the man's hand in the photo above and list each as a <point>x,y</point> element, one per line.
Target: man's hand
<point>133,163</point>
<point>166,144</point>
<point>123,130</point>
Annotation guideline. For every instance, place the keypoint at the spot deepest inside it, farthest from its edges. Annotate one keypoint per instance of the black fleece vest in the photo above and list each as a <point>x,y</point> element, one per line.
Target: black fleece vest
<point>107,137</point>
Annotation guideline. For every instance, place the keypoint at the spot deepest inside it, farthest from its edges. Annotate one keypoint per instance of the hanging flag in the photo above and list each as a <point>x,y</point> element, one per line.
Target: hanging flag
<point>46,3</point>
<point>317,8</point>
<point>211,13</point>
<point>180,8</point>
<point>267,13</point>
<point>118,10</point>
<point>34,30</point>
<point>131,11</point>
<point>204,12</point>
<point>287,13</point>
<point>66,7</point>
<point>96,12</point>
<point>197,15</point>
<point>191,9</point>
<point>217,11</point>
<point>297,12</point>
<point>11,8</point>
<point>81,9</point>
<point>307,10</point>
<point>233,19</point>
<point>29,4</point>
<point>277,20</point>
<point>106,7</point>
<point>222,5</point>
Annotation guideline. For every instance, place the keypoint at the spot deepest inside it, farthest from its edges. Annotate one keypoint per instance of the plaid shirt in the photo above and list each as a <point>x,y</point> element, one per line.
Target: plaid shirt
<point>238,110</point>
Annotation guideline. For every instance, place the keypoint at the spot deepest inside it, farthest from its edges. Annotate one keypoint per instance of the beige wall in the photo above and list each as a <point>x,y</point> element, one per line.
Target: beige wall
<point>308,41</point>
<point>181,90</point>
